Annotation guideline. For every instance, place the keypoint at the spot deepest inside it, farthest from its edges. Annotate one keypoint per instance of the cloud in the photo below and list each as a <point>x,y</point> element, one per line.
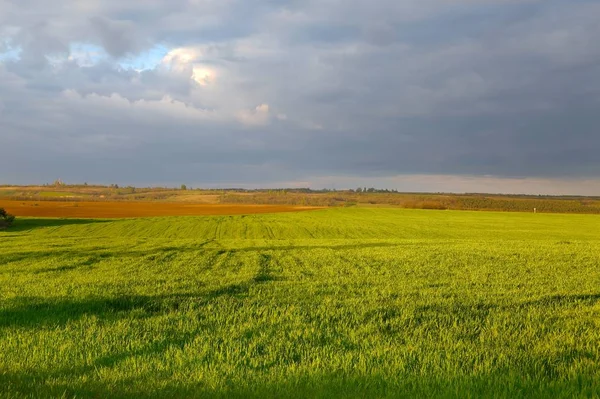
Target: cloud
<point>190,60</point>
<point>258,116</point>
<point>143,111</point>
<point>449,184</point>
<point>507,89</point>
<point>117,37</point>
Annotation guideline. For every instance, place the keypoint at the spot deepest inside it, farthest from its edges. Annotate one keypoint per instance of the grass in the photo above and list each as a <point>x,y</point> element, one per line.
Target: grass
<point>55,194</point>
<point>352,302</point>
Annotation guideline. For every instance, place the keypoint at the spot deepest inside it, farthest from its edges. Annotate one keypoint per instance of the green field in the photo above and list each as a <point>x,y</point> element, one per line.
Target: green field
<point>352,302</point>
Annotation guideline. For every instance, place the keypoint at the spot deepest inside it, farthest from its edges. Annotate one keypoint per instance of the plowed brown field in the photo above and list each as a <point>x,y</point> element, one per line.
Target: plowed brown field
<point>135,209</point>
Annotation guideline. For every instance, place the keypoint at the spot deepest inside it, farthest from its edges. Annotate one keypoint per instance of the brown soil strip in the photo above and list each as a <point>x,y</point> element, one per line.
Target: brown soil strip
<point>78,209</point>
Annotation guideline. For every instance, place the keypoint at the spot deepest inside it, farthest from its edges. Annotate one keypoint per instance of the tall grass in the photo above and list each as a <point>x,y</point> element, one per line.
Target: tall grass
<point>335,303</point>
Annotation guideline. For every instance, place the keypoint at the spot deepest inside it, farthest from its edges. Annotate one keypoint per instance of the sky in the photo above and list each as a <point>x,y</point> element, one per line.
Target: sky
<point>415,95</point>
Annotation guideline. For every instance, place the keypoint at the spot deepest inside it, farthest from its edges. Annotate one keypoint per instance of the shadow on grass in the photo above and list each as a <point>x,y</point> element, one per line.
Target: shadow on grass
<point>32,312</point>
<point>84,381</point>
<point>88,258</point>
<point>500,384</point>
<point>38,312</point>
<point>171,252</point>
<point>563,300</point>
<point>28,224</point>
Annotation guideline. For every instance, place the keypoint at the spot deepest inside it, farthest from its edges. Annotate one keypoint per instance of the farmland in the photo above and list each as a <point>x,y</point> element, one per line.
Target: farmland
<point>121,209</point>
<point>304,197</point>
<point>339,302</point>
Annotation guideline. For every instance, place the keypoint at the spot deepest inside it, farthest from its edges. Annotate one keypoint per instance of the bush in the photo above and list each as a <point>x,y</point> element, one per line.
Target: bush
<point>6,219</point>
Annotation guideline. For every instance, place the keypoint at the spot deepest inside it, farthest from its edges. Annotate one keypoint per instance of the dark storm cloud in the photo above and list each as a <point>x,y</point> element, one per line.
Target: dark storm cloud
<point>281,91</point>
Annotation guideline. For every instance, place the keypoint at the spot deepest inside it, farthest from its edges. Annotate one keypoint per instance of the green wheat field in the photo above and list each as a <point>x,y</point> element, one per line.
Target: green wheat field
<point>354,302</point>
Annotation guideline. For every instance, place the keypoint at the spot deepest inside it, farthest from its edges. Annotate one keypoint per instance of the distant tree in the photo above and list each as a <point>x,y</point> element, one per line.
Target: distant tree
<point>6,219</point>
<point>183,187</point>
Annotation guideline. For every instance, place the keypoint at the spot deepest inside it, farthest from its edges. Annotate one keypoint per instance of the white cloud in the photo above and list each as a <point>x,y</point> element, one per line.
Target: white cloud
<point>259,116</point>
<point>141,110</point>
<point>405,87</point>
<point>189,60</point>
<point>181,56</point>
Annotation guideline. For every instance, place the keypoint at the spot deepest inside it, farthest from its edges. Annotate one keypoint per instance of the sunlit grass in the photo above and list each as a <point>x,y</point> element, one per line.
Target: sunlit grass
<point>332,303</point>
<point>59,194</point>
